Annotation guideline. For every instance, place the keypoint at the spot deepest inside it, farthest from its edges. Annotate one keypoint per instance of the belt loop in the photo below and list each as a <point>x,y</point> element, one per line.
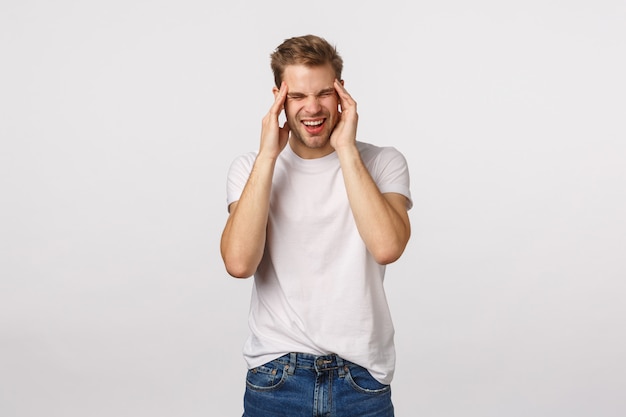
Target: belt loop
<point>340,367</point>
<point>293,358</point>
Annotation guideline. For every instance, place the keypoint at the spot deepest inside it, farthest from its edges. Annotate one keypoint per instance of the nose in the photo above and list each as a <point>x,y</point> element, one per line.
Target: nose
<point>312,104</point>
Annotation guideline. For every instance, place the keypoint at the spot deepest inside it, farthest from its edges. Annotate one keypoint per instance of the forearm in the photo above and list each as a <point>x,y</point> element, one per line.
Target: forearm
<point>243,239</point>
<point>382,221</point>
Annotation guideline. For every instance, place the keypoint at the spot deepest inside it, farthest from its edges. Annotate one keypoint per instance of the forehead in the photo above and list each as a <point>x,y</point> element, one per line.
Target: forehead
<point>304,79</point>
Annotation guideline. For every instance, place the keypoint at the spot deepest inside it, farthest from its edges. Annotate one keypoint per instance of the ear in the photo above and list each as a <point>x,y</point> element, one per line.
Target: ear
<point>341,81</point>
<point>275,91</point>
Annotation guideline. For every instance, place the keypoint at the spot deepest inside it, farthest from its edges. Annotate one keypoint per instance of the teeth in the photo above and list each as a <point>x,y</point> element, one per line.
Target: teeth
<point>313,122</point>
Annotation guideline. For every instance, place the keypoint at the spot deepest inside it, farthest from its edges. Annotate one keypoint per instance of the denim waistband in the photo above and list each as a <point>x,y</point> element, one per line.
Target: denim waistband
<point>321,363</point>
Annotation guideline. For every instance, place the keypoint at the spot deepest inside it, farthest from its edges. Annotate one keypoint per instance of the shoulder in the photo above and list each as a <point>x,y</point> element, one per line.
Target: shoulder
<point>245,157</point>
<point>243,162</point>
<point>374,155</point>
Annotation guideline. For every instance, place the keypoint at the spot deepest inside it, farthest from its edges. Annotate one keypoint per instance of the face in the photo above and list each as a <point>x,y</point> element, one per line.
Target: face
<point>311,108</point>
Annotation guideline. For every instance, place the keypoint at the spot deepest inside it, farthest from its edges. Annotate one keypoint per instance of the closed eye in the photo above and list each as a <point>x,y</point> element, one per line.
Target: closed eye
<point>330,92</point>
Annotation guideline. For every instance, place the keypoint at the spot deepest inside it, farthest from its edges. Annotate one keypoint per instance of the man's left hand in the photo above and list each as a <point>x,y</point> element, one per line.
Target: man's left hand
<point>344,133</point>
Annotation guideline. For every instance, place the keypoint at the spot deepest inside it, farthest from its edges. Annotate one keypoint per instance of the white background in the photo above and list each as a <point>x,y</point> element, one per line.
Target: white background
<point>119,119</point>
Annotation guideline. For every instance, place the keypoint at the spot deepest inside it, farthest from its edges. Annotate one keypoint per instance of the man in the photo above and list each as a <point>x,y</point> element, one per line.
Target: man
<point>315,215</point>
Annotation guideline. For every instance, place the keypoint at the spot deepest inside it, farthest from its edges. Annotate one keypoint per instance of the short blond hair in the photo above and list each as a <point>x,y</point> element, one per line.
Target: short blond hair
<point>309,50</point>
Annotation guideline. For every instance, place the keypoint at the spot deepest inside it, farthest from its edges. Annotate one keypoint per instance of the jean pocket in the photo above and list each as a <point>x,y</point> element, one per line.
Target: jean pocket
<point>362,381</point>
<point>266,377</point>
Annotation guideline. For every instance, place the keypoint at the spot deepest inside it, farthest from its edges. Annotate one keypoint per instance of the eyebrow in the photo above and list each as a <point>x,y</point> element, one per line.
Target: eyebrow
<point>324,91</point>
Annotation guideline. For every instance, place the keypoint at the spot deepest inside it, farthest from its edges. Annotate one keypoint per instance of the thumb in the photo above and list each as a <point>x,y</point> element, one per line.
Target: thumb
<point>284,131</point>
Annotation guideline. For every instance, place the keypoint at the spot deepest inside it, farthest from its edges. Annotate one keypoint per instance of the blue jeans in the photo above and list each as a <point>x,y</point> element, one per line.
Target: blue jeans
<point>299,384</point>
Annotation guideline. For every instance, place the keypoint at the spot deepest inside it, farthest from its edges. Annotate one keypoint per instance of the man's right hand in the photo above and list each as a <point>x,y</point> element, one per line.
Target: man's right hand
<point>273,137</point>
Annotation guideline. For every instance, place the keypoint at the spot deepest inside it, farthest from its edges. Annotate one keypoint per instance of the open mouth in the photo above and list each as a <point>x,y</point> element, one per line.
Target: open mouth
<point>314,126</point>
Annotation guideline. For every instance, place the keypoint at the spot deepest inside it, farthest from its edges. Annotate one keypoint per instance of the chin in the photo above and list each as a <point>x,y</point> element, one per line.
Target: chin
<point>315,143</point>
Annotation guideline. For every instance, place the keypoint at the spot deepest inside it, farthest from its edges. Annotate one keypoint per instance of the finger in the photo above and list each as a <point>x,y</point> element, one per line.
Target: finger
<point>344,96</point>
<point>279,102</point>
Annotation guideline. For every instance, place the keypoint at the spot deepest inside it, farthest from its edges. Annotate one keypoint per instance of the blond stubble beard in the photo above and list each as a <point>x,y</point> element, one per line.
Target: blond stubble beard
<point>295,133</point>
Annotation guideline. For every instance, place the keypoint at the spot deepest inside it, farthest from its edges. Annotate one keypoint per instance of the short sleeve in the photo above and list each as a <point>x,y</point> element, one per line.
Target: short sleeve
<point>238,175</point>
<point>391,173</point>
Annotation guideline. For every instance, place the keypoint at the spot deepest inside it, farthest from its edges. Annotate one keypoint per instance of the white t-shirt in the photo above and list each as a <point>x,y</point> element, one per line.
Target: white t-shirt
<point>317,289</point>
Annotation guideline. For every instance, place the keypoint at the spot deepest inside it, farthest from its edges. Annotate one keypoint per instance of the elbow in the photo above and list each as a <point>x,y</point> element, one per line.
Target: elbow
<point>237,269</point>
<point>386,257</point>
<point>391,251</point>
<point>236,261</point>
<point>239,272</point>
<point>388,254</point>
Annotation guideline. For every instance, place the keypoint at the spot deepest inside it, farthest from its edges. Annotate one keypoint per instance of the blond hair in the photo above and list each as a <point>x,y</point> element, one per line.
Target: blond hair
<point>308,50</point>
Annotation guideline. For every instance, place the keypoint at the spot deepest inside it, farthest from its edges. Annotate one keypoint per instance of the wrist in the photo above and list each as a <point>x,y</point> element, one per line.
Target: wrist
<point>347,150</point>
<point>266,159</point>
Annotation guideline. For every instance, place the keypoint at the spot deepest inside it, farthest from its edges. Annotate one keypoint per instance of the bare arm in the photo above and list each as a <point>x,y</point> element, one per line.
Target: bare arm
<point>382,219</point>
<point>243,238</point>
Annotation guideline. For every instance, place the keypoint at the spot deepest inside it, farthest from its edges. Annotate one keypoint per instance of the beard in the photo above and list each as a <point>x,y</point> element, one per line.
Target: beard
<point>311,141</point>
<point>315,142</point>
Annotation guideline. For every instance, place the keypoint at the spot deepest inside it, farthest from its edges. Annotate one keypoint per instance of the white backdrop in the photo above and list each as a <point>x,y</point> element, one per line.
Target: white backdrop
<point>119,119</point>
